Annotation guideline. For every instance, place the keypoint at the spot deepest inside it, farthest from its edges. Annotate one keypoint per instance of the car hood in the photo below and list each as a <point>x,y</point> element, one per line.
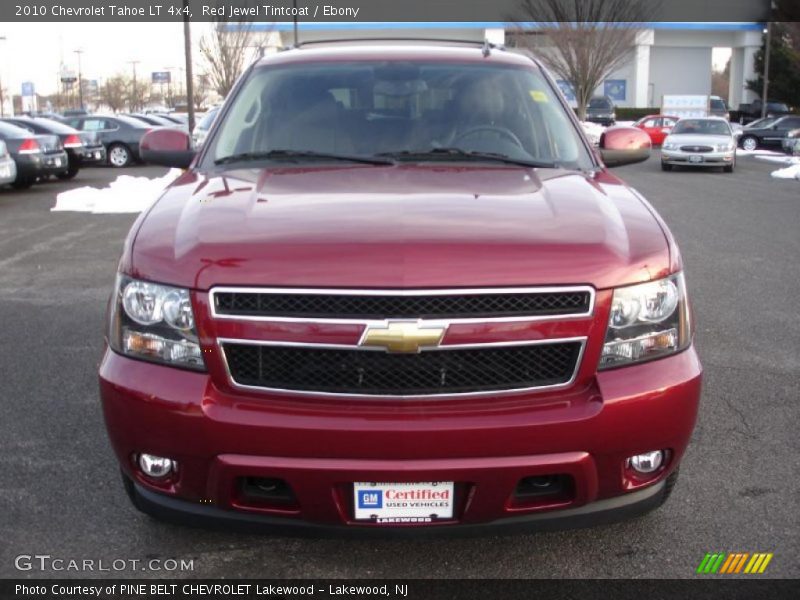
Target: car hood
<point>398,227</point>
<point>695,139</point>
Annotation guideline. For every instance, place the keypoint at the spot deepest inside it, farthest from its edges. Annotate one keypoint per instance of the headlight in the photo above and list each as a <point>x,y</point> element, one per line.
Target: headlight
<point>669,146</point>
<point>725,147</point>
<point>154,322</point>
<point>647,321</point>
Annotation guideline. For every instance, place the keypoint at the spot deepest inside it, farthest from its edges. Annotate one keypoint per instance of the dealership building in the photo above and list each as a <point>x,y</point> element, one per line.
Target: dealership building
<point>669,57</point>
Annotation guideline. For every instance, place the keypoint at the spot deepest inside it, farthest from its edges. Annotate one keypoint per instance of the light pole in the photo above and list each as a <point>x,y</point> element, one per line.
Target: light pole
<point>187,49</point>
<point>134,98</point>
<point>766,71</point>
<point>80,79</point>
<point>169,86</point>
<point>2,96</point>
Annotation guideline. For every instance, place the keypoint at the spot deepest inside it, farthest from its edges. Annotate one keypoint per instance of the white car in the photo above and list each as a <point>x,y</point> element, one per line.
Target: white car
<point>8,168</point>
<point>700,142</point>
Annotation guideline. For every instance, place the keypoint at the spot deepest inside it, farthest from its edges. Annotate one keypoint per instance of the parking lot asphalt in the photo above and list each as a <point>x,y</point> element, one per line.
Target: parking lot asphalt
<point>60,492</point>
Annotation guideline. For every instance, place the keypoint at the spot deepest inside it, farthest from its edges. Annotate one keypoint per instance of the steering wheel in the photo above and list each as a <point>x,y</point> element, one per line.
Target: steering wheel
<point>502,131</point>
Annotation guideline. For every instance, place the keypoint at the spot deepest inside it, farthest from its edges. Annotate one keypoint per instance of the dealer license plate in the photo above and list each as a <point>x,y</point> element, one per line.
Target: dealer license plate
<point>403,502</point>
<point>695,158</point>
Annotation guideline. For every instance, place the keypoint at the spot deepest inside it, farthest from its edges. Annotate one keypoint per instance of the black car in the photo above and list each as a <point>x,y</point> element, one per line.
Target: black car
<point>601,110</point>
<point>770,136</point>
<point>82,148</point>
<point>37,156</point>
<point>119,134</point>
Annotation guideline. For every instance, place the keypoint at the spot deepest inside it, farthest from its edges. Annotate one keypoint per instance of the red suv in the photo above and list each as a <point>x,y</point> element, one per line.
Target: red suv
<point>397,288</point>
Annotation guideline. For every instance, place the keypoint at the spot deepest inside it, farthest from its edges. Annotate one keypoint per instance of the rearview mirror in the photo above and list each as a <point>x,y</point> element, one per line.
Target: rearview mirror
<point>624,146</point>
<point>167,147</point>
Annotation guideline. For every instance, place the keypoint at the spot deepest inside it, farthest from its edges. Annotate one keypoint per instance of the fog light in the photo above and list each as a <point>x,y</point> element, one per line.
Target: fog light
<point>156,467</point>
<point>647,462</point>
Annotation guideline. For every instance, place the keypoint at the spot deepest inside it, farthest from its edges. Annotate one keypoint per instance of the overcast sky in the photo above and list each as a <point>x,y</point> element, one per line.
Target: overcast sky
<point>34,51</point>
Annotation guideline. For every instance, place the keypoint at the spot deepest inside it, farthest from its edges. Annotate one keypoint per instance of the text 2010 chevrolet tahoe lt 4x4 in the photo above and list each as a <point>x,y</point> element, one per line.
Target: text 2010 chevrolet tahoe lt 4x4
<point>396,289</point>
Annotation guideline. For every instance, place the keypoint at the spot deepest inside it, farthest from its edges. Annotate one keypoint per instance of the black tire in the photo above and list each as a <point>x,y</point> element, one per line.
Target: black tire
<point>749,140</point>
<point>74,169</point>
<point>119,155</point>
<point>22,183</point>
<point>669,485</point>
<point>728,168</point>
<point>127,483</point>
<point>666,167</point>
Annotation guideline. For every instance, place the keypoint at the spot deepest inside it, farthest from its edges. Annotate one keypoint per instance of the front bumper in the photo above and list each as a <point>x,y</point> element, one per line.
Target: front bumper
<point>707,159</point>
<point>601,120</point>
<point>218,437</point>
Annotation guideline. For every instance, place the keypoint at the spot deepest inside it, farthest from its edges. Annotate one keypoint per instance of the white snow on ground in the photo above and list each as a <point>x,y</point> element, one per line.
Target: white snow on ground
<point>593,131</point>
<point>126,194</point>
<point>792,171</point>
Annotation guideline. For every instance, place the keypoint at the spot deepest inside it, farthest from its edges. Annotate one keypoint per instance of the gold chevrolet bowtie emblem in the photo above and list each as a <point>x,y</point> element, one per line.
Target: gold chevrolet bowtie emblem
<point>402,336</point>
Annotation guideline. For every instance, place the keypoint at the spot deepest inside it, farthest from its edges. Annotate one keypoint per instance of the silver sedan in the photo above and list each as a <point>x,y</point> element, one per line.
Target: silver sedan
<point>700,142</point>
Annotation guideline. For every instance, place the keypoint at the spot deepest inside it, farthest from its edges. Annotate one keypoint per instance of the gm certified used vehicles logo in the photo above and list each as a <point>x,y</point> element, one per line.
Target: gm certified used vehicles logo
<point>734,563</point>
<point>402,336</point>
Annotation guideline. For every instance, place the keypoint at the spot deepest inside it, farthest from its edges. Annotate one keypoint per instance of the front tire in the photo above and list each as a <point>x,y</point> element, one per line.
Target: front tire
<point>749,143</point>
<point>23,183</point>
<point>119,155</point>
<point>669,485</point>
<point>666,167</point>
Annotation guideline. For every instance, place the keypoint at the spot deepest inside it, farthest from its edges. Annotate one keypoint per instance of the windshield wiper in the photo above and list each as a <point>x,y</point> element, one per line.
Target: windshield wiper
<point>460,153</point>
<point>281,154</point>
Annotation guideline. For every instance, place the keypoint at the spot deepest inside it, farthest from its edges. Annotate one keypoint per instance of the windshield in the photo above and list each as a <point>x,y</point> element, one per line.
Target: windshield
<point>599,103</point>
<point>718,104</point>
<point>701,127</point>
<point>408,110</point>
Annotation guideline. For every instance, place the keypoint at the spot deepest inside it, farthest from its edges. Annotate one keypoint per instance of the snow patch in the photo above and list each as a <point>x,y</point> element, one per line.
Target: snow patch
<point>126,194</point>
<point>790,172</point>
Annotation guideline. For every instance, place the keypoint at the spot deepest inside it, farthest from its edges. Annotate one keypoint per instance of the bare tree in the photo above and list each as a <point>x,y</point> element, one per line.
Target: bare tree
<point>115,92</point>
<point>587,39</point>
<point>225,50</point>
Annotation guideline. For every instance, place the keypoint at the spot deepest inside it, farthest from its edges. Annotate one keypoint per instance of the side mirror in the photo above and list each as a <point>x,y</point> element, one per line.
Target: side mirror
<point>167,147</point>
<point>624,146</point>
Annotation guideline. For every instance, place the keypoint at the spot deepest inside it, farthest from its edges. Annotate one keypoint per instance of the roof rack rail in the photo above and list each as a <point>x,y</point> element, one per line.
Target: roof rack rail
<point>486,45</point>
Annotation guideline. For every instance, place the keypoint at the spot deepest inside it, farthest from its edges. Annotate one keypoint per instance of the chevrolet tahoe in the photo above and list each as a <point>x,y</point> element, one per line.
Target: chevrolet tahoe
<point>398,290</point>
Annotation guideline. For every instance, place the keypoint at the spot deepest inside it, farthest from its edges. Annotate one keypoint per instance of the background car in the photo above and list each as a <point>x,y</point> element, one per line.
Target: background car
<point>203,125</point>
<point>82,148</point>
<point>36,156</point>
<point>791,143</point>
<point>119,134</point>
<point>601,110</point>
<point>770,136</point>
<point>702,142</point>
<point>718,108</point>
<point>750,112</point>
<point>8,168</point>
<point>656,126</point>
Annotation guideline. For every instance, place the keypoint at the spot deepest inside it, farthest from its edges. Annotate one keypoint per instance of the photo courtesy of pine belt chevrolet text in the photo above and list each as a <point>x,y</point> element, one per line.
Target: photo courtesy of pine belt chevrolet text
<point>398,290</point>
